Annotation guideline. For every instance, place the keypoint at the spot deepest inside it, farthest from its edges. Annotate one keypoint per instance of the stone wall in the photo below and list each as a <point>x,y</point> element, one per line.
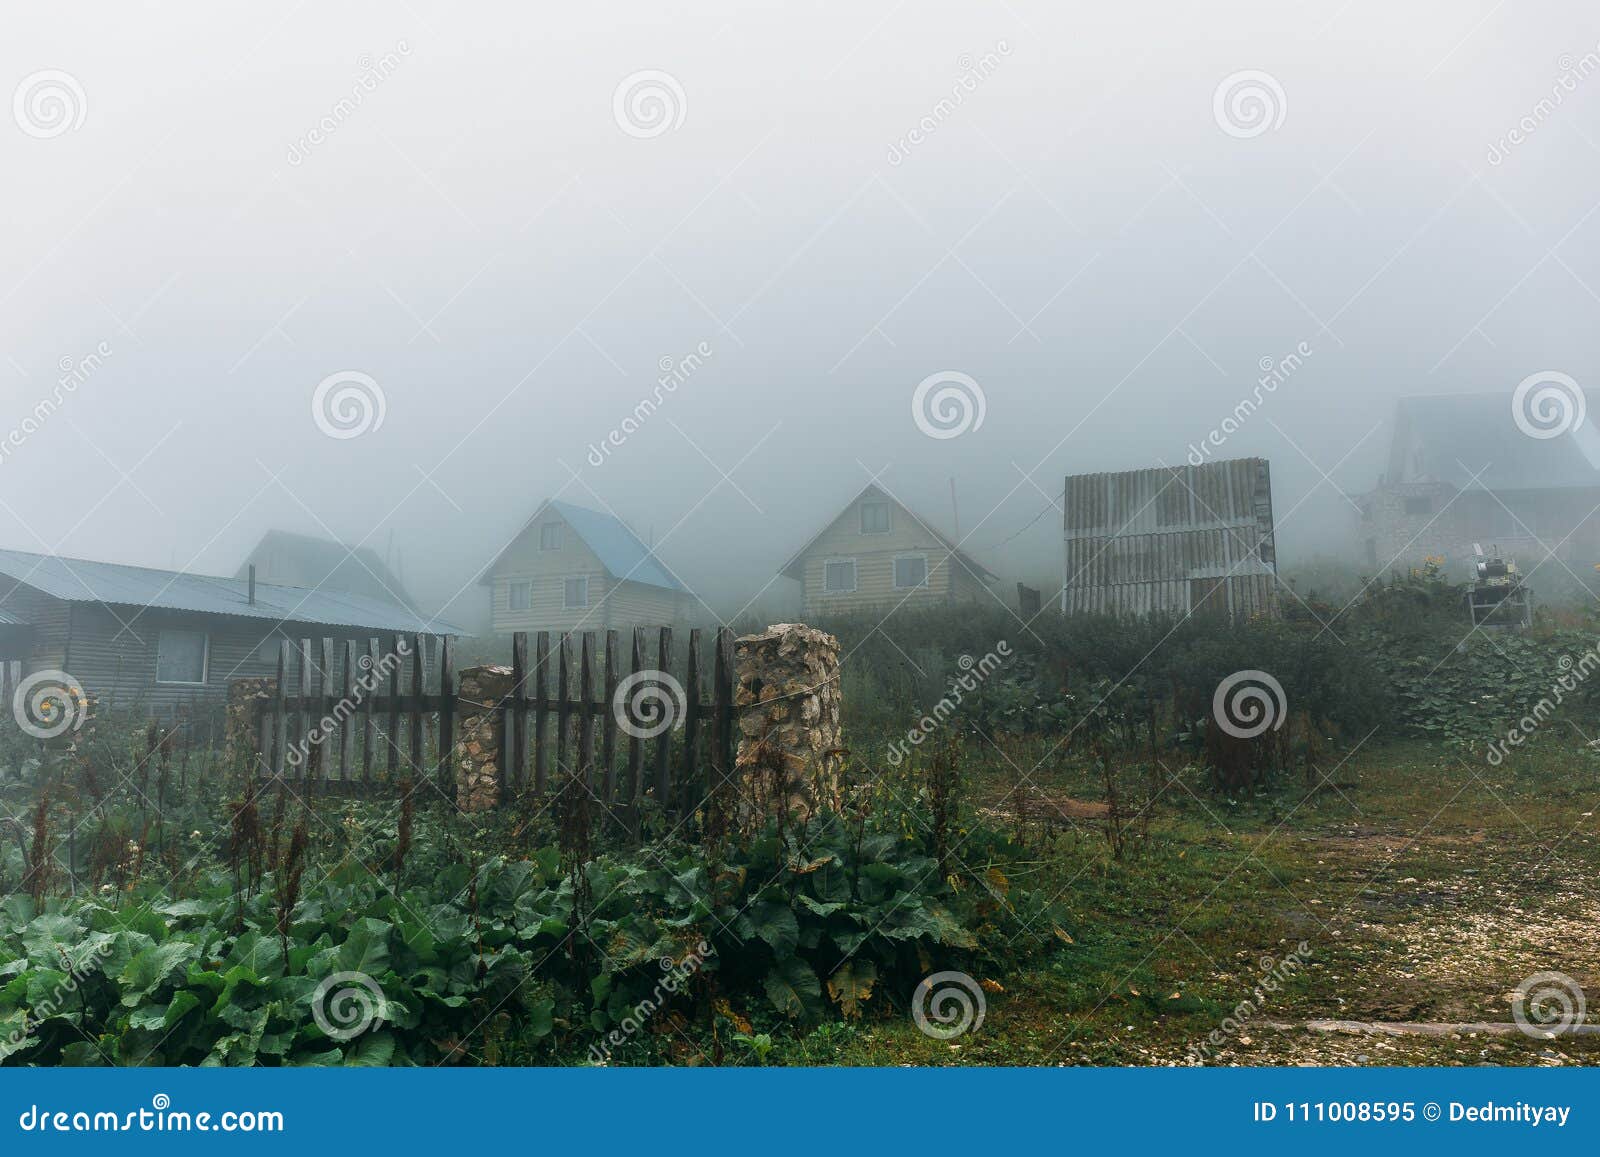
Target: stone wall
<point>479,767</point>
<point>787,697</point>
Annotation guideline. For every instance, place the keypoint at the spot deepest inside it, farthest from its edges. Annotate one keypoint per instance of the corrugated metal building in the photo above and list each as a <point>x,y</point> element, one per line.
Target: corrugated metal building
<point>1171,540</point>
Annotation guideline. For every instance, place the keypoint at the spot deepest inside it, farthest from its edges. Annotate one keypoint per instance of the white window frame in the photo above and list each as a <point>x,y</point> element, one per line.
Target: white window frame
<point>567,603</point>
<point>550,526</point>
<point>862,515</point>
<point>894,576</point>
<point>205,657</point>
<point>855,576</point>
<point>512,587</point>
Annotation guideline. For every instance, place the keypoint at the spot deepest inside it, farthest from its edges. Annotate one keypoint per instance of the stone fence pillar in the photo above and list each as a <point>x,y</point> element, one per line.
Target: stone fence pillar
<point>479,766</point>
<point>787,698</point>
<point>241,736</point>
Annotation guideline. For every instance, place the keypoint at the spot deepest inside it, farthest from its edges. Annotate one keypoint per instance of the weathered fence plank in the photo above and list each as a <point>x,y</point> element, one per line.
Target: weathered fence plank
<point>541,659</point>
<point>412,712</point>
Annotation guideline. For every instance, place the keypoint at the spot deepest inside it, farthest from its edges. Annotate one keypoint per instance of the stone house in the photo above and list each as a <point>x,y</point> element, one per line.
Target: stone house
<point>571,568</point>
<point>1462,471</point>
<point>876,554</point>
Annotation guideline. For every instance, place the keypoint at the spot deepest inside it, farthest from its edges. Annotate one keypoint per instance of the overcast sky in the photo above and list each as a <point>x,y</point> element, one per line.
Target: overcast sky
<point>1106,216</point>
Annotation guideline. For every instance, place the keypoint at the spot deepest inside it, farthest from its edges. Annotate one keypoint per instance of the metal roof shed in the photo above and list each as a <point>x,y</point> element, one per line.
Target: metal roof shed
<point>1171,540</point>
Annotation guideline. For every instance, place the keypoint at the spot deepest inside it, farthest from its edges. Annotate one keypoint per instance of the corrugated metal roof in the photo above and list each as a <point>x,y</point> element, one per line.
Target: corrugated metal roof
<point>1472,441</point>
<point>80,580</point>
<point>1138,541</point>
<point>618,548</point>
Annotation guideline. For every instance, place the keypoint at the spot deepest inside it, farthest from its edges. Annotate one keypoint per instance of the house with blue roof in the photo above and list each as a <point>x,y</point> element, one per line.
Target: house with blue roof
<point>144,639</point>
<point>575,569</point>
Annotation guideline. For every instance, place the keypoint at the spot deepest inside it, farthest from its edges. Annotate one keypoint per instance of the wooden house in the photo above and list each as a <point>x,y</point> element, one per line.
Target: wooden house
<point>137,638</point>
<point>571,568</point>
<point>876,554</point>
<point>1171,540</point>
<point>283,558</point>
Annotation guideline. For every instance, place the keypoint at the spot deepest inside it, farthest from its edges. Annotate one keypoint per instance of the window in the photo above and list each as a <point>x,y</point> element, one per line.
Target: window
<point>910,570</point>
<point>874,518</point>
<point>1422,505</point>
<point>181,657</point>
<point>550,536</point>
<point>520,595</point>
<point>839,576</point>
<point>577,592</point>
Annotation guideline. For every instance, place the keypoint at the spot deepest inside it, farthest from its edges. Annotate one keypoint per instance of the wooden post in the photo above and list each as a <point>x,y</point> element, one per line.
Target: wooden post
<point>636,745</point>
<point>541,687</point>
<point>325,684</point>
<point>691,715</point>
<point>586,714</point>
<point>447,718</point>
<point>722,745</point>
<point>418,688</point>
<point>563,710</point>
<point>608,724</point>
<point>368,724</point>
<point>515,743</point>
<point>280,714</point>
<point>664,740</point>
<point>302,719</point>
<point>394,712</point>
<point>348,684</point>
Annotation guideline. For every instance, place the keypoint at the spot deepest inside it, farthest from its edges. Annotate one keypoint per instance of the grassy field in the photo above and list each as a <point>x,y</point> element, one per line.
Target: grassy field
<point>1394,882</point>
<point>1424,888</point>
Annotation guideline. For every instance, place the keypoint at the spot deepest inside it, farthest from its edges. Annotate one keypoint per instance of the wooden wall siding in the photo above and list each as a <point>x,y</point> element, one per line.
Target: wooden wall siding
<point>548,609</point>
<point>875,555</point>
<point>875,582</point>
<point>632,604</point>
<point>613,602</point>
<point>524,557</point>
<point>563,686</point>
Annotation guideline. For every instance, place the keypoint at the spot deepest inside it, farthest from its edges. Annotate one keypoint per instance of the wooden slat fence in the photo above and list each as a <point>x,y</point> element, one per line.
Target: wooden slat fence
<point>365,721</point>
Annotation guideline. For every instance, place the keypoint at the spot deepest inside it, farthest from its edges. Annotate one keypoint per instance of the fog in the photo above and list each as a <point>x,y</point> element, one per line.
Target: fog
<point>510,255</point>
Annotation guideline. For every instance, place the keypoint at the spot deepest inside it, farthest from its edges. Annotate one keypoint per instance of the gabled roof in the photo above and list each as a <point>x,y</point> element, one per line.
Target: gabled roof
<point>1463,434</point>
<point>334,565</point>
<point>619,550</point>
<point>81,581</point>
<point>792,569</point>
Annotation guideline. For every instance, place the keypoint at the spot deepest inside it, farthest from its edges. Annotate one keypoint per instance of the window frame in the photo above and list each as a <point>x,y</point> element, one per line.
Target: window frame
<point>526,587</point>
<point>894,571</point>
<point>566,602</point>
<point>555,529</point>
<point>888,515</point>
<point>205,657</point>
<point>855,576</point>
